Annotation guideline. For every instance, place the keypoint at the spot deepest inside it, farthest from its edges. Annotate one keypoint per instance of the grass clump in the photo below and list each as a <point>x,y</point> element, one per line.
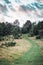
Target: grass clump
<point>10,44</point>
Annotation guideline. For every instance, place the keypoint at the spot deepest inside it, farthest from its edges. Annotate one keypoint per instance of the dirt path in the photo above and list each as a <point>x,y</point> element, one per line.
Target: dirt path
<point>32,57</point>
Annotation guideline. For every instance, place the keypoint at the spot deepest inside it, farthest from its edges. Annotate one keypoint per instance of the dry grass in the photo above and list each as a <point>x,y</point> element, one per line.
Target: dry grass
<point>21,47</point>
<point>39,42</point>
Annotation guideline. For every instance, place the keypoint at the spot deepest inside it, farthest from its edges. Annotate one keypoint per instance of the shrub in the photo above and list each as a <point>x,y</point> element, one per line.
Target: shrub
<point>10,44</point>
<point>38,37</point>
<point>30,34</point>
<point>1,38</point>
<point>17,36</point>
<point>2,45</point>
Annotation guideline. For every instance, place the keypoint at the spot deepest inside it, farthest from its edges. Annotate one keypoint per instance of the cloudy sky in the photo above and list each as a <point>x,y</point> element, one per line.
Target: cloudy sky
<point>22,10</point>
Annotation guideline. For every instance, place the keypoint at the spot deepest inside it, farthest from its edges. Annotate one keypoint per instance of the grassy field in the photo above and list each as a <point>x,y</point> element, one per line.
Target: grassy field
<point>27,51</point>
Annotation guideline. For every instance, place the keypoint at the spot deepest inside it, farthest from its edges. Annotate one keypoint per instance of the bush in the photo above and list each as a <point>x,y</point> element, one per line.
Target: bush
<point>10,44</point>
<point>30,34</point>
<point>38,37</point>
<point>17,36</point>
<point>1,45</point>
<point>1,38</point>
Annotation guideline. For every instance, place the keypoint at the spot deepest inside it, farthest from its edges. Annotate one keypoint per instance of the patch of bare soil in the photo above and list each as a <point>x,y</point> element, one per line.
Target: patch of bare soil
<point>21,47</point>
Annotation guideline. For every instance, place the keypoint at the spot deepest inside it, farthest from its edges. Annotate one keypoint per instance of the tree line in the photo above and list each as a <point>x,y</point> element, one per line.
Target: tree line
<point>15,30</point>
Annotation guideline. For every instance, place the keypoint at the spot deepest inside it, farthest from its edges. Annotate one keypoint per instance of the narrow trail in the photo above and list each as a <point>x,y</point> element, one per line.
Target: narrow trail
<point>33,56</point>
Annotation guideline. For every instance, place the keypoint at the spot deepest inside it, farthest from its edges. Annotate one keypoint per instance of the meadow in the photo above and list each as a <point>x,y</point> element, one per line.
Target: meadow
<point>27,51</point>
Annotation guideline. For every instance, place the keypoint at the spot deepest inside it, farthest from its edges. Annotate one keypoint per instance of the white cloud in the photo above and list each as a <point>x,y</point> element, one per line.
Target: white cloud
<point>22,2</point>
<point>2,2</point>
<point>27,1</point>
<point>22,16</point>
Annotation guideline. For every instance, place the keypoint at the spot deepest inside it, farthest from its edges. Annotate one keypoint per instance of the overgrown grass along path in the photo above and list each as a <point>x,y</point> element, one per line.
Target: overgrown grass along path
<point>32,57</point>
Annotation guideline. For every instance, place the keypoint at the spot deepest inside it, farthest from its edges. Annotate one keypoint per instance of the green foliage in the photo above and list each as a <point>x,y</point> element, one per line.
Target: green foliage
<point>36,28</point>
<point>10,29</point>
<point>1,38</point>
<point>5,28</point>
<point>30,35</point>
<point>4,61</point>
<point>40,25</point>
<point>16,36</point>
<point>38,37</point>
<point>41,33</point>
<point>16,32</point>
<point>10,44</point>
<point>26,27</point>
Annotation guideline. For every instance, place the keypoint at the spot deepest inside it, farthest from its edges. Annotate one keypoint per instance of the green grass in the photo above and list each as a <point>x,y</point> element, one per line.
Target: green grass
<point>31,57</point>
<point>4,62</point>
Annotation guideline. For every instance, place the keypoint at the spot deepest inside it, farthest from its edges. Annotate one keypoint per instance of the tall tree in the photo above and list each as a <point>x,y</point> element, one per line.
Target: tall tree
<point>16,29</point>
<point>27,26</point>
<point>40,25</point>
<point>16,22</point>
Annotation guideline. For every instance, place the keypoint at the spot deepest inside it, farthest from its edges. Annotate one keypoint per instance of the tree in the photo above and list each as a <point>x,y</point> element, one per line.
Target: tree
<point>16,29</point>
<point>5,28</point>
<point>40,29</point>
<point>1,29</point>
<point>16,23</point>
<point>26,27</point>
<point>8,27</point>
<point>40,25</point>
<point>34,28</point>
